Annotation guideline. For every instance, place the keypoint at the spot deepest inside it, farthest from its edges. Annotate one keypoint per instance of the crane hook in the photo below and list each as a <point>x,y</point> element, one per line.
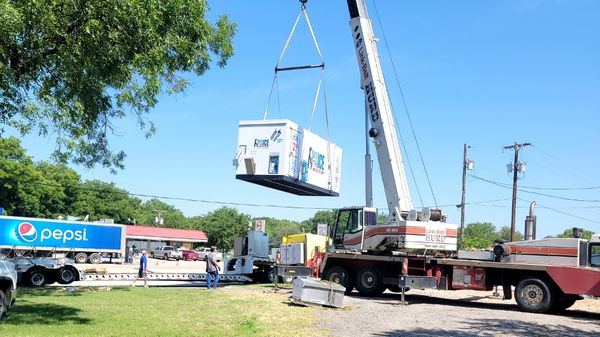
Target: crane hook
<point>303,2</point>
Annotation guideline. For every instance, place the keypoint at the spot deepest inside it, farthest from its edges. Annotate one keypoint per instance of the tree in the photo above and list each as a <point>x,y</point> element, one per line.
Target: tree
<point>504,233</point>
<point>568,233</point>
<point>72,69</point>
<point>155,209</point>
<point>278,228</point>
<point>327,217</point>
<point>101,200</point>
<point>223,226</point>
<point>479,235</point>
<point>21,187</point>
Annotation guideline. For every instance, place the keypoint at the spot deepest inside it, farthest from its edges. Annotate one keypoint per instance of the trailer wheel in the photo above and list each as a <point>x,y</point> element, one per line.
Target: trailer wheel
<point>3,305</point>
<point>37,277</point>
<point>534,295</point>
<point>340,276</point>
<point>95,258</point>
<point>369,281</point>
<point>80,257</point>
<point>66,275</point>
<point>270,275</point>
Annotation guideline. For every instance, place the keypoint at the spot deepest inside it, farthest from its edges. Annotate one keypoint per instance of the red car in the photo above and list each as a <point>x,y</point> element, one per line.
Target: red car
<point>190,255</point>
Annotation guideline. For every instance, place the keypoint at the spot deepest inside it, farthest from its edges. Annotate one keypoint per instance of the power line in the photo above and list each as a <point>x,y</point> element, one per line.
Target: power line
<point>536,193</point>
<point>564,213</point>
<point>177,198</point>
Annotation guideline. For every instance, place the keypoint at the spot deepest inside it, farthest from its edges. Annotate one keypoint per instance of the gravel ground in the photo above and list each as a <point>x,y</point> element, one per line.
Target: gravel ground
<point>459,313</point>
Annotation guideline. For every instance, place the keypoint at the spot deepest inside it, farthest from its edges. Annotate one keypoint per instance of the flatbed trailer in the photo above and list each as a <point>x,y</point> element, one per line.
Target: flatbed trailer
<point>547,275</point>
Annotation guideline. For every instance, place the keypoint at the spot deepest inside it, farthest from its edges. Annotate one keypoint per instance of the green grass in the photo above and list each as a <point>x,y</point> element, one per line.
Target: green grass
<point>123,311</point>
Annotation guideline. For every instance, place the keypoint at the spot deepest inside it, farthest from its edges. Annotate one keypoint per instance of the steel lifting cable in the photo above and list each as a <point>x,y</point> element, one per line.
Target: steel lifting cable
<point>278,68</point>
<point>407,112</point>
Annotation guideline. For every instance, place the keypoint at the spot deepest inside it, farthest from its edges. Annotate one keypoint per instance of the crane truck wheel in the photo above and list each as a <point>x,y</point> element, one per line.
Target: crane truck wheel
<point>534,295</point>
<point>37,277</point>
<point>66,275</point>
<point>80,257</point>
<point>340,276</point>
<point>369,281</point>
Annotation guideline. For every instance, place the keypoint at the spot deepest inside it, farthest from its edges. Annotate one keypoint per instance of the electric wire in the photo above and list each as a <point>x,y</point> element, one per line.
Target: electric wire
<point>536,193</point>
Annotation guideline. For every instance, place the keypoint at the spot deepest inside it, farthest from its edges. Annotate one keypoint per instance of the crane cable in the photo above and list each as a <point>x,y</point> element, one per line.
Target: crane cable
<point>407,114</point>
<point>275,84</point>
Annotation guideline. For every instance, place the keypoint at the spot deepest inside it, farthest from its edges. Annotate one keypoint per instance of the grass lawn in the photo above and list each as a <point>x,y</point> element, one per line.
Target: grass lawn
<point>123,311</point>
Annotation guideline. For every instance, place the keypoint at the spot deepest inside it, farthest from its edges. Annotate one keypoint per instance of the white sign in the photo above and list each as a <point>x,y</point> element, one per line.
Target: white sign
<point>322,229</point>
<point>260,225</point>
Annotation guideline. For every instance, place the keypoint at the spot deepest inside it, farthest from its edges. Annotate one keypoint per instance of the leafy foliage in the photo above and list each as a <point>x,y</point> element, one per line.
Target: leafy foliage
<point>504,233</point>
<point>72,69</point>
<point>568,233</point>
<point>223,226</point>
<point>479,235</point>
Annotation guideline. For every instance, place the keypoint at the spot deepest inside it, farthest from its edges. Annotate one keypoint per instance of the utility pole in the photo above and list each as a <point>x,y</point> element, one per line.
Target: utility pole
<point>516,168</point>
<point>467,165</point>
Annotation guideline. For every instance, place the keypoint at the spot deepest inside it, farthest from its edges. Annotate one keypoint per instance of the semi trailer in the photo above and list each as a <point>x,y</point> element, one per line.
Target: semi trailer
<point>77,240</point>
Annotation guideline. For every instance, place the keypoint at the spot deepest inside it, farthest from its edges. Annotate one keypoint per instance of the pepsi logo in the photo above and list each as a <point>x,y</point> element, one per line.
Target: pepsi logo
<point>27,232</point>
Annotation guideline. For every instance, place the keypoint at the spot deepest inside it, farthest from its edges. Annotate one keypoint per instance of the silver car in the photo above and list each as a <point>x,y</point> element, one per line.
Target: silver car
<point>8,287</point>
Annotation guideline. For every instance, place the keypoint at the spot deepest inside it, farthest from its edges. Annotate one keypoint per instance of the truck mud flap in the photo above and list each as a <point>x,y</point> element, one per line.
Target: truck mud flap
<point>413,282</point>
<point>293,271</point>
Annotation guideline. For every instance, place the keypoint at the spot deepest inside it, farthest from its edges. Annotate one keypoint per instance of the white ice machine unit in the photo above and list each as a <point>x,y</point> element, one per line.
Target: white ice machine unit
<point>281,155</point>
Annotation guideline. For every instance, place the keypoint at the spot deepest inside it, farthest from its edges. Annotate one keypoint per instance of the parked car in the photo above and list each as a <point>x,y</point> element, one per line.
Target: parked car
<point>8,287</point>
<point>202,251</point>
<point>166,252</point>
<point>190,255</point>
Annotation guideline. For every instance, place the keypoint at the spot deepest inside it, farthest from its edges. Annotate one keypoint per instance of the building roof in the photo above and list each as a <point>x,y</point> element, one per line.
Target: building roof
<point>162,233</point>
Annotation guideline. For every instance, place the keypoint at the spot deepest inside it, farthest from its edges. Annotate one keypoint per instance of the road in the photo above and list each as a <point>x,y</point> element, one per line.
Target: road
<point>455,313</point>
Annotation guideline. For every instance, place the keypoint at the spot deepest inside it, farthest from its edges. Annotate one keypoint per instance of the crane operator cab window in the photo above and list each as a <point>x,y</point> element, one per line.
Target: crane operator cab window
<point>350,221</point>
<point>594,254</point>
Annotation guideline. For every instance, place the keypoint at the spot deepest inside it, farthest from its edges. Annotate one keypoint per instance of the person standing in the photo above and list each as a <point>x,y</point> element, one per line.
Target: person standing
<point>212,269</point>
<point>143,271</point>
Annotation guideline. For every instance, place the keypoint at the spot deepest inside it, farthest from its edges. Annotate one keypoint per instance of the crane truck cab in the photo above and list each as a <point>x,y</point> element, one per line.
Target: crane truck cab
<point>356,228</point>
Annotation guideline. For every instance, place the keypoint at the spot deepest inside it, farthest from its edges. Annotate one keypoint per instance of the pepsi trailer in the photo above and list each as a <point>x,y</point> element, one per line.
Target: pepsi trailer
<point>80,241</point>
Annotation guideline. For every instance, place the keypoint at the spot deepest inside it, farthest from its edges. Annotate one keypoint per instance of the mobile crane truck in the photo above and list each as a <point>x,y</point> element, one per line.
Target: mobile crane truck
<point>548,274</point>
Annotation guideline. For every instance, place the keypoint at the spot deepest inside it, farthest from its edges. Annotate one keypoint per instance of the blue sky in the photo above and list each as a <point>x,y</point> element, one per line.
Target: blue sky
<point>479,72</point>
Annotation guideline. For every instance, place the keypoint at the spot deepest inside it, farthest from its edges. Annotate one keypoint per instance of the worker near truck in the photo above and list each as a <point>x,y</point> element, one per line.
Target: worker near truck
<point>143,271</point>
<point>212,269</point>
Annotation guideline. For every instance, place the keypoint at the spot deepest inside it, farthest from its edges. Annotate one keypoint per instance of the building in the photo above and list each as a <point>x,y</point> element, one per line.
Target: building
<point>147,237</point>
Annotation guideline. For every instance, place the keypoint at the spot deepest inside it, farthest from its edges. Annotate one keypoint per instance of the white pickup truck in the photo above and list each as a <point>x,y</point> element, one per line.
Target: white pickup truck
<point>8,287</point>
<point>166,252</point>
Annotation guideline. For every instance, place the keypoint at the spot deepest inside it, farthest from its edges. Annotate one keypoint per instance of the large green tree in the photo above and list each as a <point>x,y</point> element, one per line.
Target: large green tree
<point>72,68</point>
<point>568,233</point>
<point>504,233</point>
<point>101,200</point>
<point>223,225</point>
<point>155,212</point>
<point>479,235</point>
